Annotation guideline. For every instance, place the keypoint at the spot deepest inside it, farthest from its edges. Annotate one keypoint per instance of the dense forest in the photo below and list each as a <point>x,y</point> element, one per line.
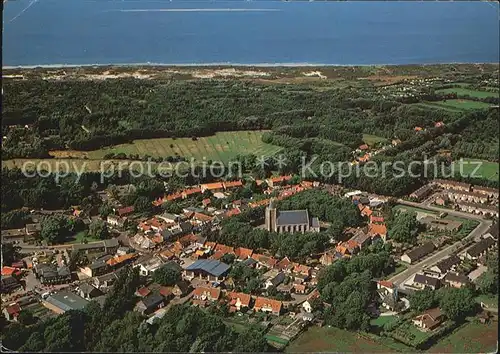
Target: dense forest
<point>321,124</point>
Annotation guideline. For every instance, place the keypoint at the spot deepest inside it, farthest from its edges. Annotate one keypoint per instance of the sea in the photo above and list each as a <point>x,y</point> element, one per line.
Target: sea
<point>254,32</point>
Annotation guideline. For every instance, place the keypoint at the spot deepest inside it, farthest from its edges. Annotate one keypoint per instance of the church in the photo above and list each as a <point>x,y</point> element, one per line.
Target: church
<point>289,220</point>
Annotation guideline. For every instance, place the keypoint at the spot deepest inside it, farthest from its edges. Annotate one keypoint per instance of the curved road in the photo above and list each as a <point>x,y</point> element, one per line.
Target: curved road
<point>483,226</point>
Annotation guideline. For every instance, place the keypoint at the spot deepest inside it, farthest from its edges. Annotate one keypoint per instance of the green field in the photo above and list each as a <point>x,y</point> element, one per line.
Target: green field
<point>487,170</point>
<point>382,320</point>
<point>222,146</point>
<point>471,338</point>
<point>373,139</point>
<point>326,339</point>
<point>460,91</point>
<point>457,105</point>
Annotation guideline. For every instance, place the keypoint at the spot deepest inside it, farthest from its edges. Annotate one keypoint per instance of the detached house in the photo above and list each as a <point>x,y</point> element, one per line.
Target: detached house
<point>238,301</point>
<point>456,280</point>
<point>429,320</point>
<point>388,294</point>
<point>480,248</point>
<point>423,281</point>
<point>268,305</point>
<point>445,265</point>
<point>203,294</point>
<point>150,304</point>
<point>274,278</point>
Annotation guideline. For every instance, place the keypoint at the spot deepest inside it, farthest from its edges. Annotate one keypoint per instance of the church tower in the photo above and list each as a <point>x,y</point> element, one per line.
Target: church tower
<point>271,215</point>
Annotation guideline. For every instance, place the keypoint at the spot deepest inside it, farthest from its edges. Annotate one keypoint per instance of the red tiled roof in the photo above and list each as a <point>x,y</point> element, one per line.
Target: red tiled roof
<point>376,229</point>
<point>302,269</point>
<point>13,309</point>
<point>366,211</point>
<point>280,179</point>
<point>224,249</point>
<point>206,201</point>
<point>202,217</point>
<point>299,287</point>
<point>166,291</point>
<point>244,298</point>
<point>120,259</point>
<point>143,291</point>
<point>417,129</point>
<point>374,219</point>
<point>386,283</point>
<point>364,147</point>
<point>126,210</point>
<point>352,244</point>
<point>232,212</point>
<point>243,253</point>
<point>188,239</point>
<point>8,270</point>
<point>211,186</point>
<point>174,196</point>
<point>214,293</point>
<point>232,184</point>
<point>262,302</point>
<point>191,191</point>
<point>285,263</point>
<point>210,244</point>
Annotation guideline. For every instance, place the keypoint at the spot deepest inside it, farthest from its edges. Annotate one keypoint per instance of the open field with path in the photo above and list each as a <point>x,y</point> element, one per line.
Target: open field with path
<point>223,146</point>
<point>373,139</point>
<point>326,339</point>
<point>454,105</point>
<point>471,338</point>
<point>460,91</point>
<point>487,170</point>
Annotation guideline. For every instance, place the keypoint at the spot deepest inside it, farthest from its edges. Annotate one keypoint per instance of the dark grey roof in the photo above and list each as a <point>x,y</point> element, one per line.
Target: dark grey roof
<point>278,279</point>
<point>481,246</point>
<point>292,217</point>
<point>425,280</point>
<point>63,271</point>
<point>185,226</point>
<point>421,251</point>
<point>98,264</point>
<point>87,288</point>
<point>314,222</point>
<point>390,300</point>
<point>211,266</point>
<point>112,242</point>
<point>107,277</point>
<point>456,278</point>
<point>493,230</point>
<point>66,301</point>
<point>249,262</point>
<point>447,263</point>
<point>152,300</point>
<point>166,234</point>
<point>172,265</point>
<point>183,285</point>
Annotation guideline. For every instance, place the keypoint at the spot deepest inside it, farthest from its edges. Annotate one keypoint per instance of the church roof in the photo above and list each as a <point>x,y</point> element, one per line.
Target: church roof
<point>292,217</point>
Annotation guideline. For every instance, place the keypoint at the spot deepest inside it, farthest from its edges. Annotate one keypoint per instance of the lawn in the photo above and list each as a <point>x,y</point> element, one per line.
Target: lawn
<point>373,139</point>
<point>81,237</point>
<point>222,146</point>
<point>488,300</point>
<point>460,91</point>
<point>470,338</point>
<point>326,339</point>
<point>487,170</point>
<point>414,209</point>
<point>400,267</point>
<point>457,105</point>
<point>463,104</point>
<point>382,320</point>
